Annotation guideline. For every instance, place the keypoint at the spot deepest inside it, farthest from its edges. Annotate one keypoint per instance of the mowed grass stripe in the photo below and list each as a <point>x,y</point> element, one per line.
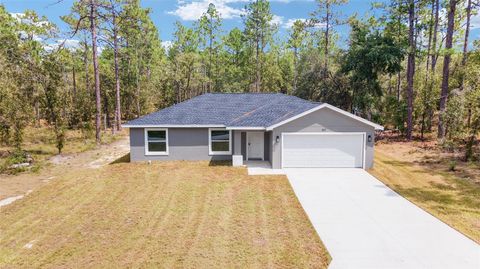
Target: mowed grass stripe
<point>164,215</point>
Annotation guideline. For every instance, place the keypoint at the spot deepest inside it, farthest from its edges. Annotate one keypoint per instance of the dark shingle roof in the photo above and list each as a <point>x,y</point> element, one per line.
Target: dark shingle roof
<point>229,109</point>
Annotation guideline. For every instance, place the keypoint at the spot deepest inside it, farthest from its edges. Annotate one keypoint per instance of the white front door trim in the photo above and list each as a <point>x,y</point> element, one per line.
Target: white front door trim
<point>260,144</point>
<point>363,134</point>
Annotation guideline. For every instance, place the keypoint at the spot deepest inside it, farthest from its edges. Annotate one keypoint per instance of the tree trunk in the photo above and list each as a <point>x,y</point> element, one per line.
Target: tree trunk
<point>295,71</point>
<point>118,114</point>
<point>446,68</point>
<point>85,62</point>
<point>327,36</point>
<point>257,66</point>
<point>467,32</point>
<point>399,85</point>
<point>137,83</point>
<point>98,104</point>
<point>37,113</point>
<point>399,75</point>
<point>106,112</point>
<point>74,120</point>
<point>434,37</point>
<point>210,62</point>
<point>434,57</point>
<point>74,82</point>
<point>410,67</point>
<point>471,140</point>
<point>465,42</point>
<point>429,44</point>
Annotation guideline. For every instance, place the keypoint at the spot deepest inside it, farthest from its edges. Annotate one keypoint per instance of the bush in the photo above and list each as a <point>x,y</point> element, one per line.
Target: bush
<point>16,157</point>
<point>4,134</point>
<point>452,165</point>
<point>88,130</point>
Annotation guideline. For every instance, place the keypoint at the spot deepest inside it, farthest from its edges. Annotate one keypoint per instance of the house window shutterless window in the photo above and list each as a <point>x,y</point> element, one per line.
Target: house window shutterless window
<point>156,142</point>
<point>220,142</point>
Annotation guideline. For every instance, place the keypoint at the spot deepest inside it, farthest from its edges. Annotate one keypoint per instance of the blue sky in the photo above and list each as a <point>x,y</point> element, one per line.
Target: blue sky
<point>166,12</point>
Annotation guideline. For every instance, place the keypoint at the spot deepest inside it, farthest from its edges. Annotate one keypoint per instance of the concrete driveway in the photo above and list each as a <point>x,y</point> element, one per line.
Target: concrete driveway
<point>364,224</point>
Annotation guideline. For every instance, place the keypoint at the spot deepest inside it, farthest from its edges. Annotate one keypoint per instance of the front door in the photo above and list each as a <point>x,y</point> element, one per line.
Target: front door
<point>255,145</point>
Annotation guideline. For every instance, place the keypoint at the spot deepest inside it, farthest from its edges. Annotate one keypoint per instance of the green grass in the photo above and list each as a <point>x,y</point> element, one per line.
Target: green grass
<point>453,199</point>
<point>163,215</point>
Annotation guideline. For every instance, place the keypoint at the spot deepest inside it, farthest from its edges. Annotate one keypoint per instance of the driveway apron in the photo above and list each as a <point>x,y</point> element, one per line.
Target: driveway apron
<point>364,224</point>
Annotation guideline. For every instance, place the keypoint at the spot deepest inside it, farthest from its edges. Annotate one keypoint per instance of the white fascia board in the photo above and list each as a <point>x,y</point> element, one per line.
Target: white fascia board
<point>172,126</point>
<point>341,111</point>
<point>245,128</point>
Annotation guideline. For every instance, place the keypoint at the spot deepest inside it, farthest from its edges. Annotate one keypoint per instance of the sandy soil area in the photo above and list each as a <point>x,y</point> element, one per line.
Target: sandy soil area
<point>21,184</point>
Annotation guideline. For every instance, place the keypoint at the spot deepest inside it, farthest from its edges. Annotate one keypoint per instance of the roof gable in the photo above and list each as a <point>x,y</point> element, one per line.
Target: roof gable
<point>333,108</point>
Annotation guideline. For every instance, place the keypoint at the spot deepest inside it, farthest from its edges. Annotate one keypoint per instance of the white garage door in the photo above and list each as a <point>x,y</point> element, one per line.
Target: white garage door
<point>322,149</point>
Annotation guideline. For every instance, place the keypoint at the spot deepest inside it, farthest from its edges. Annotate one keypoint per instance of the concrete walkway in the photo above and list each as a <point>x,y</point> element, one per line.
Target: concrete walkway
<point>364,224</point>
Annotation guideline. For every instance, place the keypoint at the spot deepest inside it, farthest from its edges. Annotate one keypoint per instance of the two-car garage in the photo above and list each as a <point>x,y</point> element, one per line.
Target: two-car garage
<point>327,137</point>
<point>328,149</point>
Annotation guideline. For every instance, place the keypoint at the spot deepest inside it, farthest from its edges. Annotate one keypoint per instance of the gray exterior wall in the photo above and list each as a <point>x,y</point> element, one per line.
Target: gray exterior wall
<point>244,145</point>
<point>237,145</point>
<point>267,143</point>
<point>183,143</point>
<point>192,143</point>
<point>323,120</point>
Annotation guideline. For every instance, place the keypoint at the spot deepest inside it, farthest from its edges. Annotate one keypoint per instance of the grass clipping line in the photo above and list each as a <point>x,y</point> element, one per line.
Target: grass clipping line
<point>172,214</point>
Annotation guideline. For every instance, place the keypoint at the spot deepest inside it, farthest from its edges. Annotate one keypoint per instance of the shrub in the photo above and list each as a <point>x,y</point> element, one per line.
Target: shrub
<point>452,165</point>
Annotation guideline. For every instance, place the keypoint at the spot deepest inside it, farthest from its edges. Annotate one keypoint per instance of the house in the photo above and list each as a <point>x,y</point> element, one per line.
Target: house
<point>284,130</point>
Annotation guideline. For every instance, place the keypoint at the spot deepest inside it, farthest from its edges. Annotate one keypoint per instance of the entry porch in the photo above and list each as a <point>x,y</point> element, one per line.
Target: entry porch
<point>252,147</point>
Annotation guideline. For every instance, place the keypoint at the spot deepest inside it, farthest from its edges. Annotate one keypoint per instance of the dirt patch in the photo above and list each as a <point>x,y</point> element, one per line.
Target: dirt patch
<point>429,155</point>
<point>96,158</point>
<point>58,165</point>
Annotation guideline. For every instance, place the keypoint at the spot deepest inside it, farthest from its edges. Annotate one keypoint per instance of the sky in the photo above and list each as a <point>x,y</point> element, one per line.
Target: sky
<point>166,12</point>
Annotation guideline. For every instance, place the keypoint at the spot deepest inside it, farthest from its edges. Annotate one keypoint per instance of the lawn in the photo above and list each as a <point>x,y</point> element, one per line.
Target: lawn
<point>425,177</point>
<point>170,215</point>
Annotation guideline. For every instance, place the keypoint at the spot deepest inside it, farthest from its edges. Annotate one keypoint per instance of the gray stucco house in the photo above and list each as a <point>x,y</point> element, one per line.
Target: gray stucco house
<point>284,130</point>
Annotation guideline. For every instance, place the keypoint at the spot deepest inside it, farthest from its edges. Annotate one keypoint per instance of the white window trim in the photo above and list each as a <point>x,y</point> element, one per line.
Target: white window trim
<point>150,153</point>
<point>210,152</point>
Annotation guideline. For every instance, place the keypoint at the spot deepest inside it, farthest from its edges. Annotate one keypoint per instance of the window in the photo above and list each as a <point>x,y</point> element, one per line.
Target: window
<point>220,142</point>
<point>156,142</point>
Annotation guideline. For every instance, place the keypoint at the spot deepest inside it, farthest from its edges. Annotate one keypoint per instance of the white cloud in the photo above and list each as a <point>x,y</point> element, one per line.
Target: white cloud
<point>289,1</point>
<point>17,16</point>
<point>193,10</point>
<point>21,17</point>
<point>289,23</point>
<point>72,43</point>
<point>277,20</point>
<point>167,44</point>
<point>67,43</point>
